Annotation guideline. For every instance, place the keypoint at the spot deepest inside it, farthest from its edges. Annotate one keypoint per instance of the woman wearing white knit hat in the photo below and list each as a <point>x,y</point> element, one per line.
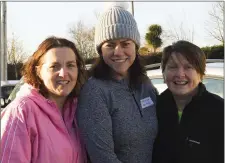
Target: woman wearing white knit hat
<point>116,111</point>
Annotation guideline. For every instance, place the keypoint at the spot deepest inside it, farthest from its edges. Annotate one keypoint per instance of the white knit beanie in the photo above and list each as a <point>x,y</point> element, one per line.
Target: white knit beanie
<point>116,23</point>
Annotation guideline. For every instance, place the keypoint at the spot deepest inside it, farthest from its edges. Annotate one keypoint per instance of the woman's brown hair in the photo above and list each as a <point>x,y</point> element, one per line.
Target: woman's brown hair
<point>194,55</point>
<point>29,70</point>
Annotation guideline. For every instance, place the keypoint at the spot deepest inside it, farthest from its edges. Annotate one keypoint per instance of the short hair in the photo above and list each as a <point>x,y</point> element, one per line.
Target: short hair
<point>30,72</point>
<point>137,71</point>
<point>194,55</point>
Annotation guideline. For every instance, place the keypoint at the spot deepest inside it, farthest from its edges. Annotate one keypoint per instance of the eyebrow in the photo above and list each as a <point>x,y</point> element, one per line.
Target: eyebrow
<point>72,62</point>
<point>172,62</point>
<point>66,62</point>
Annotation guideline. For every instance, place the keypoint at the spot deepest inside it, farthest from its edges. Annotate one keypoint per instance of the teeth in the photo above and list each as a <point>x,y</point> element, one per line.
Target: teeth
<point>181,82</point>
<point>119,60</point>
<point>63,82</point>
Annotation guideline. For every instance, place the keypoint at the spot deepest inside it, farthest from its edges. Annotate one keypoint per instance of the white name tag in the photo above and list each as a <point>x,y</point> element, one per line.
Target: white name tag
<point>146,102</point>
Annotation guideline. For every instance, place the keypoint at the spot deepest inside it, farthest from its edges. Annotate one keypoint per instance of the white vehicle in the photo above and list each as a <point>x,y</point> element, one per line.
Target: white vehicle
<point>213,79</point>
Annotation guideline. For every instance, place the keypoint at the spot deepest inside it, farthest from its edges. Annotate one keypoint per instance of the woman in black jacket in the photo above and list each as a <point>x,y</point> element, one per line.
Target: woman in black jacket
<point>191,119</point>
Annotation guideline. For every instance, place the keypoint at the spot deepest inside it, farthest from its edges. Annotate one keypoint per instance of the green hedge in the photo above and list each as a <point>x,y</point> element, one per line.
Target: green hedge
<point>211,52</point>
<point>151,59</point>
<point>214,52</point>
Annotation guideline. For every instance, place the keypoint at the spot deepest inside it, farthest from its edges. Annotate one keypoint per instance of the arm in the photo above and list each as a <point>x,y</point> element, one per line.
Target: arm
<point>95,124</point>
<point>15,144</point>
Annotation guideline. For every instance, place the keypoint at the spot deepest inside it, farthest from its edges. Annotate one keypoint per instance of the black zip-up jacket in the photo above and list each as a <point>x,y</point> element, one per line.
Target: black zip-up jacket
<point>198,137</point>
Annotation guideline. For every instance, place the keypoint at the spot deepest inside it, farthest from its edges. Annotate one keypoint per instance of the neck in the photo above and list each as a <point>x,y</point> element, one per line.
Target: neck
<point>118,76</point>
<point>59,102</point>
<point>182,101</point>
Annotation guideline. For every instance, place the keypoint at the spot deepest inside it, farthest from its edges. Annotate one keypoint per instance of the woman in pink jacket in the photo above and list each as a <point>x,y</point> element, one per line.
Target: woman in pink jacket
<point>38,126</point>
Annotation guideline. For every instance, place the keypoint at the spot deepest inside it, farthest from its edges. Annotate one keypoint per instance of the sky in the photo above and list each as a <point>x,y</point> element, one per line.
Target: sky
<point>32,22</point>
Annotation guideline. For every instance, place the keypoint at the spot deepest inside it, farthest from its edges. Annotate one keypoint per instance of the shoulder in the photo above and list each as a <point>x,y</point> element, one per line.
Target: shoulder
<point>21,103</point>
<point>164,95</point>
<point>147,89</point>
<point>208,97</point>
<point>147,84</point>
<point>93,89</point>
<point>20,108</point>
<point>215,97</point>
<point>213,108</point>
<point>211,99</point>
<point>98,85</point>
<point>93,83</point>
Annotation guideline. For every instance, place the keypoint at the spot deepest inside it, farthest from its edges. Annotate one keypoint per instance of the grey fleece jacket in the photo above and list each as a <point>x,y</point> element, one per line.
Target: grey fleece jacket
<point>118,125</point>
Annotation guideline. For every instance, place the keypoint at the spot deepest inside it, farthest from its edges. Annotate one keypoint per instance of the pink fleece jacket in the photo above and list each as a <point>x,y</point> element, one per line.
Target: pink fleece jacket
<point>34,131</point>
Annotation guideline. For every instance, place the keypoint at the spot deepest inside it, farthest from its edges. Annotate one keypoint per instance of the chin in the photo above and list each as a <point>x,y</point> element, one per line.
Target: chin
<point>64,94</point>
<point>181,93</point>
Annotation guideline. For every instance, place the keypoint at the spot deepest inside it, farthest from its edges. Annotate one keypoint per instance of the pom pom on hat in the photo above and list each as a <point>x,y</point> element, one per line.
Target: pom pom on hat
<point>116,23</point>
<point>123,5</point>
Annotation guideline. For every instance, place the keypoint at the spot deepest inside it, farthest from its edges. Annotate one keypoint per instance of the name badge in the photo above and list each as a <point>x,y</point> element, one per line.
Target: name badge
<point>146,102</point>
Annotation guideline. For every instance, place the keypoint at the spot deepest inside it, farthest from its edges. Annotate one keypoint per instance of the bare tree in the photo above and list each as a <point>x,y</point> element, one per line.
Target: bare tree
<point>84,39</point>
<point>15,53</point>
<point>214,26</point>
<point>97,14</point>
<point>175,33</point>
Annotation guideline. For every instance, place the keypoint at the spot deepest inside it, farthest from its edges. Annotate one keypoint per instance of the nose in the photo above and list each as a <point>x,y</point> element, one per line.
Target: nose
<point>118,50</point>
<point>63,72</point>
<point>180,72</point>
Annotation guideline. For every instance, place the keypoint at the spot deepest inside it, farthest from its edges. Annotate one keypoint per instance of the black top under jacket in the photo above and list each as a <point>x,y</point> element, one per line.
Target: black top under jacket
<point>198,137</point>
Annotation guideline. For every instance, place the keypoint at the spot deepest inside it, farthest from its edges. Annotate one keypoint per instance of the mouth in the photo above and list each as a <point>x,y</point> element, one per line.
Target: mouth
<point>182,83</point>
<point>63,82</point>
<point>119,60</point>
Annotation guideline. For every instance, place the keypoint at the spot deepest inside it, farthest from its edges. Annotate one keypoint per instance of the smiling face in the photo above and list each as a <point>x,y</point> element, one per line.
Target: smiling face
<point>58,71</point>
<point>180,76</point>
<point>119,55</point>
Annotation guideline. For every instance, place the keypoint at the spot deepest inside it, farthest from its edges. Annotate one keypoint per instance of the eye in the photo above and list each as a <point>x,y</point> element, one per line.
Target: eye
<point>71,65</point>
<point>125,44</point>
<point>109,45</point>
<point>172,66</point>
<point>189,67</point>
<point>54,66</point>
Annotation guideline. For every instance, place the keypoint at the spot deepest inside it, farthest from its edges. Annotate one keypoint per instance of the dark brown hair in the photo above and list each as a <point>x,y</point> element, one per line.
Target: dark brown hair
<point>194,55</point>
<point>30,73</point>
